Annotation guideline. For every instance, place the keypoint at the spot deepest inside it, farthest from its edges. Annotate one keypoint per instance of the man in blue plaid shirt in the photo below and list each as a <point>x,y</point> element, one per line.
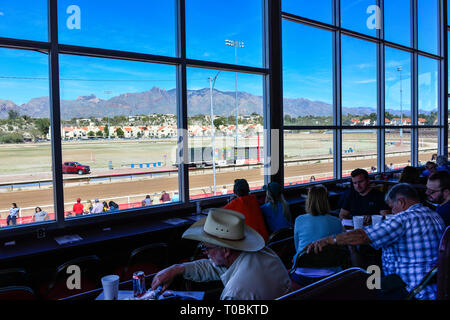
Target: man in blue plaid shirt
<point>409,239</point>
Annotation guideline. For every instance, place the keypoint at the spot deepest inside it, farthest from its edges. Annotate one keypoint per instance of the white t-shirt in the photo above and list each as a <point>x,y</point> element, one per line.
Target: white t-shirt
<point>13,212</point>
<point>98,207</point>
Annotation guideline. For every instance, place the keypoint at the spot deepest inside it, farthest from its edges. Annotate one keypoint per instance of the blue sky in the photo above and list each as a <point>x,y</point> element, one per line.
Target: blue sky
<point>149,27</point>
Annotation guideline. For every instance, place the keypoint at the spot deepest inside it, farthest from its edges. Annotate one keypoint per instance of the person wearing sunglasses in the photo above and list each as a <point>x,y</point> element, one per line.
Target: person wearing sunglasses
<point>236,255</point>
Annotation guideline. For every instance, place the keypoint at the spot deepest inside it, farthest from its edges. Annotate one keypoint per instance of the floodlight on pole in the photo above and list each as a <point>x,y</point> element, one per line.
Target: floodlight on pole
<point>212,82</point>
<point>108,92</point>
<point>236,44</point>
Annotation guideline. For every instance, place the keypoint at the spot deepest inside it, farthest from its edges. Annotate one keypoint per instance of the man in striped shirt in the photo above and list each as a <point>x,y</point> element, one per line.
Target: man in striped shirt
<point>409,239</point>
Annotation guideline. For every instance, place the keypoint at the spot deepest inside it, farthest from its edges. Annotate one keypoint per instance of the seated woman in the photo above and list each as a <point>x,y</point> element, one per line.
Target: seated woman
<point>276,210</point>
<point>315,224</point>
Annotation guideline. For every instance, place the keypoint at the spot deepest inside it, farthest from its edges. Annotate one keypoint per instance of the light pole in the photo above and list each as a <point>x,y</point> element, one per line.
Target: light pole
<point>236,44</point>
<point>212,82</point>
<point>401,103</point>
<point>108,92</point>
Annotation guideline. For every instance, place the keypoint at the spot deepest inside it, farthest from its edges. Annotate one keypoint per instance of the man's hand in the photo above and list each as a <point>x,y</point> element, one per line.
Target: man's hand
<point>165,277</point>
<point>319,244</point>
<point>367,220</point>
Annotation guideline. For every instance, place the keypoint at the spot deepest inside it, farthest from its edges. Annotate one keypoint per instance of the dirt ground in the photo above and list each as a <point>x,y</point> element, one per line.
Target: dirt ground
<point>31,198</point>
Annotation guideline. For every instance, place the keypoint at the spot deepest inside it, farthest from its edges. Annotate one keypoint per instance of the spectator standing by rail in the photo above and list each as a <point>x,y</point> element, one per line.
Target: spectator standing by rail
<point>14,213</point>
<point>40,215</point>
<point>147,201</point>
<point>165,197</point>
<point>78,208</point>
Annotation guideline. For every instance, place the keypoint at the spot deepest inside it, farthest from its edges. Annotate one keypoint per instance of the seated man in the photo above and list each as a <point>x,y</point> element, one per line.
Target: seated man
<point>438,191</point>
<point>236,255</point>
<point>363,200</point>
<point>442,163</point>
<point>409,239</point>
<point>248,205</point>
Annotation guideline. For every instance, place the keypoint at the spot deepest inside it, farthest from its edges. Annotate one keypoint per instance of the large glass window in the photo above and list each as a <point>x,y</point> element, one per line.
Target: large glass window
<point>428,25</point>
<point>359,82</point>
<point>225,31</point>
<point>146,26</point>
<point>321,10</point>
<point>359,150</point>
<point>397,87</point>
<point>236,133</point>
<point>25,147</point>
<point>428,91</point>
<point>397,148</point>
<point>307,75</point>
<point>428,144</point>
<point>119,133</point>
<point>25,19</point>
<point>397,21</point>
<point>308,156</point>
<point>362,16</point>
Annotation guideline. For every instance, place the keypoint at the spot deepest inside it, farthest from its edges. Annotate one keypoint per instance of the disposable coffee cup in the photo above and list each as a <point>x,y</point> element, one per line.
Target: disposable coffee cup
<point>358,222</point>
<point>376,219</point>
<point>110,285</point>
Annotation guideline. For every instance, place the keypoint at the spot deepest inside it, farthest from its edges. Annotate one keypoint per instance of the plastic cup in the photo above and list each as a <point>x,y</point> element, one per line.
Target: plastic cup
<point>110,285</point>
<point>358,222</point>
<point>376,219</point>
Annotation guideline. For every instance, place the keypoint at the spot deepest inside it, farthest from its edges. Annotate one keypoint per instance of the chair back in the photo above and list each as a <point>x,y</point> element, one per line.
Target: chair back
<point>150,258</point>
<point>280,234</point>
<point>284,248</point>
<point>350,284</point>
<point>13,277</point>
<point>443,277</point>
<point>329,257</point>
<point>91,273</point>
<point>17,293</point>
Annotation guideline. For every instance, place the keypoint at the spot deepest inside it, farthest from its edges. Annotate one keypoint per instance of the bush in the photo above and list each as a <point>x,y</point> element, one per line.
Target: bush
<point>11,138</point>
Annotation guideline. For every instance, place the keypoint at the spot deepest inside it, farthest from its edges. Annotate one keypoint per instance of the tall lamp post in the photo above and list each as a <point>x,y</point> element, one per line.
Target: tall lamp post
<point>212,82</point>
<point>399,69</point>
<point>108,92</point>
<point>236,44</point>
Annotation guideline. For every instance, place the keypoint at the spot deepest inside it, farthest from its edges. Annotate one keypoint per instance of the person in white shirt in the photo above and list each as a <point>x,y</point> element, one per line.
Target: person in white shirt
<point>224,190</point>
<point>236,255</point>
<point>98,207</point>
<point>14,213</point>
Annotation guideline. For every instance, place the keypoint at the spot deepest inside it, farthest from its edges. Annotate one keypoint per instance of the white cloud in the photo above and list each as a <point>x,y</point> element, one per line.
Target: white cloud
<point>1,14</point>
<point>366,81</point>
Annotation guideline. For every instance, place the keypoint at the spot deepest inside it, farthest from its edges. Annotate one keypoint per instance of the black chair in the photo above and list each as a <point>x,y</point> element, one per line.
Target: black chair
<point>150,258</point>
<point>429,278</point>
<point>91,273</point>
<point>280,234</point>
<point>443,276</point>
<point>284,247</point>
<point>17,293</point>
<point>14,277</point>
<point>350,284</point>
<point>329,257</point>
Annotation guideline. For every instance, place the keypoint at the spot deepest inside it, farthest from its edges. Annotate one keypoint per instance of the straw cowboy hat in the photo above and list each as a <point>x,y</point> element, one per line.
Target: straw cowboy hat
<point>225,228</point>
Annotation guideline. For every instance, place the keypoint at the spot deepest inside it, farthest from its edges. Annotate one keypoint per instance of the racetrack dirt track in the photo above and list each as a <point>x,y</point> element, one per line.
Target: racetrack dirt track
<point>31,198</point>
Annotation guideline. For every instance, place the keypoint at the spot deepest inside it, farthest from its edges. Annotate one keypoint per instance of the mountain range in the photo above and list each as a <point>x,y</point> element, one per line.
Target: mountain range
<point>162,101</point>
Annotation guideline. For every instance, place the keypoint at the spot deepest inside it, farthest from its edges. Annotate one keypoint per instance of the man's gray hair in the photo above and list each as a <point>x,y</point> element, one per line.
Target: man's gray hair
<point>401,190</point>
<point>441,160</point>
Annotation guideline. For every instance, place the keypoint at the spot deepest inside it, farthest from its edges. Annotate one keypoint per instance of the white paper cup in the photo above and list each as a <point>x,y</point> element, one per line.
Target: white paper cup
<point>376,219</point>
<point>358,222</point>
<point>110,285</point>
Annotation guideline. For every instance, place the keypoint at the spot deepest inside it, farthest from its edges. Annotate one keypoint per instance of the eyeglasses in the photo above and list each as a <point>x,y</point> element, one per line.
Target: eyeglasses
<point>204,248</point>
<point>431,191</point>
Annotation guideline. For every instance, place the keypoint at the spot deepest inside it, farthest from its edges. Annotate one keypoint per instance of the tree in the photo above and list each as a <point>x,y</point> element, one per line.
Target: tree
<point>43,125</point>
<point>99,133</point>
<point>120,132</point>
<point>12,114</point>
<point>91,134</point>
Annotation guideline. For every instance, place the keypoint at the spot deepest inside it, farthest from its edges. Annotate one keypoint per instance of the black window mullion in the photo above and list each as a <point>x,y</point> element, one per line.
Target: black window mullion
<point>55,114</point>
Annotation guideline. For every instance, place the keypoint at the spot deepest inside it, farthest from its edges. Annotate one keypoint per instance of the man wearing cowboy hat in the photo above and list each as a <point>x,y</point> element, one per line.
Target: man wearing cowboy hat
<point>236,255</point>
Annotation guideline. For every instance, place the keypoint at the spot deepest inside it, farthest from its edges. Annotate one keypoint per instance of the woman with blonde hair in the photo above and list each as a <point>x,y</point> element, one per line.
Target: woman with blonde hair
<point>315,224</point>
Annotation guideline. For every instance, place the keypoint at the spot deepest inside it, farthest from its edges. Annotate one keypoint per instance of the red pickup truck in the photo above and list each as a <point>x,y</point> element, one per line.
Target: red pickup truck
<point>75,167</point>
